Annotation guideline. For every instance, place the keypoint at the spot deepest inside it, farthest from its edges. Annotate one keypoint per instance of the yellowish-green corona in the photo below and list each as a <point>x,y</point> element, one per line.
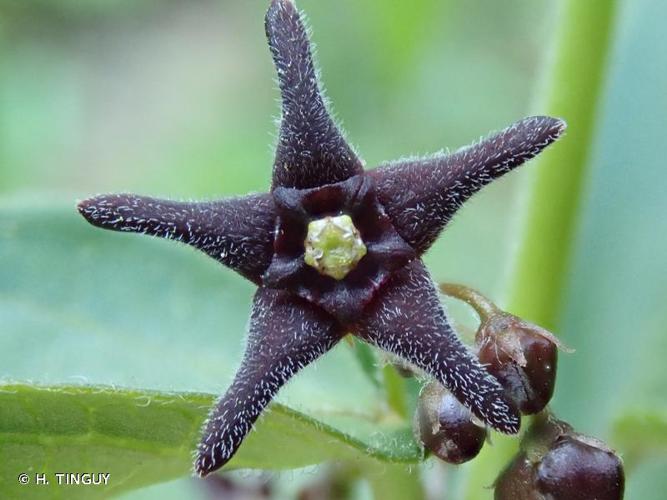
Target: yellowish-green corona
<point>333,246</point>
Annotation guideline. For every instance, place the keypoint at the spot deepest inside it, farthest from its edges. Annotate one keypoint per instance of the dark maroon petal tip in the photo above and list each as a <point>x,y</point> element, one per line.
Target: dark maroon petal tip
<point>421,196</point>
<point>101,210</point>
<point>286,334</point>
<point>236,231</point>
<point>311,150</point>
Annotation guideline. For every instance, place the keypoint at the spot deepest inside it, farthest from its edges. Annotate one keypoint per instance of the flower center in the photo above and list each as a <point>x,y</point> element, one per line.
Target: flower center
<point>333,246</point>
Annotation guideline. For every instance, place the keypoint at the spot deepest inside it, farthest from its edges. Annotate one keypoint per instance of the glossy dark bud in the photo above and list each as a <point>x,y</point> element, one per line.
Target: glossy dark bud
<point>523,357</point>
<point>445,427</point>
<point>556,463</point>
<point>580,468</point>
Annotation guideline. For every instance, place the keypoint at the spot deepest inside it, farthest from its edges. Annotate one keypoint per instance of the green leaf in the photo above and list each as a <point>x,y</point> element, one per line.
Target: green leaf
<point>144,437</point>
<point>131,311</point>
<point>640,435</point>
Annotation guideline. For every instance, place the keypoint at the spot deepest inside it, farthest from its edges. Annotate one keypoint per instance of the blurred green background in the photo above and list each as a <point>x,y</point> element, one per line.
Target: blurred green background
<point>176,98</point>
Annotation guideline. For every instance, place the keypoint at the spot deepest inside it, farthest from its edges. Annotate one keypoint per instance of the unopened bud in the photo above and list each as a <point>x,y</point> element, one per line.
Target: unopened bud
<point>556,463</point>
<point>580,468</point>
<point>522,356</point>
<point>445,427</point>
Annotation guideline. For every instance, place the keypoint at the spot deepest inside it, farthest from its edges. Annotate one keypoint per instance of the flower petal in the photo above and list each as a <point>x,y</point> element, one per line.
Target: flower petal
<point>407,320</point>
<point>311,150</point>
<point>236,231</point>
<point>422,195</point>
<point>286,334</point>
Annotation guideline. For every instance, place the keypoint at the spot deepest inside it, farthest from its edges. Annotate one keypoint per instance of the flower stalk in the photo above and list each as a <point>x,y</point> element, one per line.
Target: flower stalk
<point>556,189</point>
<point>574,86</point>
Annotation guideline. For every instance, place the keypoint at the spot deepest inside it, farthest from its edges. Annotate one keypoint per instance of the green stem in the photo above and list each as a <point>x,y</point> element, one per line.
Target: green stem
<point>482,305</point>
<point>576,81</point>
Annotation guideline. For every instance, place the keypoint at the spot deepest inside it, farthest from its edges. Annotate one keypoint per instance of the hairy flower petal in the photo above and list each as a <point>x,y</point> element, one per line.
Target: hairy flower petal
<point>408,321</point>
<point>311,150</point>
<point>421,196</point>
<point>286,334</point>
<point>236,231</point>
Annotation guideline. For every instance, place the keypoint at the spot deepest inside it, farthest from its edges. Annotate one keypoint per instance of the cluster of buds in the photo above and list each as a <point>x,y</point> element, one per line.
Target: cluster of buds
<point>554,461</point>
<point>521,356</point>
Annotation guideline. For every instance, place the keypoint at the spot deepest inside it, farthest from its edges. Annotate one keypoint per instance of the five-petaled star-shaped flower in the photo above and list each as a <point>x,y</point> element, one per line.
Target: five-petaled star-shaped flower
<point>333,249</point>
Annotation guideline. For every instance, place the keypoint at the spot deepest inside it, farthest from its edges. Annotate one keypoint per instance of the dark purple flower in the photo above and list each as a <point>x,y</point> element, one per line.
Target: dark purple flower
<point>364,232</point>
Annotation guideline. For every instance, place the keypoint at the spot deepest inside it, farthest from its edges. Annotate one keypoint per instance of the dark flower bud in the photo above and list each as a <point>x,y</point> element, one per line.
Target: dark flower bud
<point>516,481</point>
<point>522,356</point>
<point>556,463</point>
<point>445,427</point>
<point>580,468</point>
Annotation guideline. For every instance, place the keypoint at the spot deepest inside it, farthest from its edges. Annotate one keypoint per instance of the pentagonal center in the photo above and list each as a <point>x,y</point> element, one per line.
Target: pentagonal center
<point>333,246</point>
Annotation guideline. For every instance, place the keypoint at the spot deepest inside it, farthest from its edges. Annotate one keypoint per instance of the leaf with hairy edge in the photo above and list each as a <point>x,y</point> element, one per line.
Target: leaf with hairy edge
<point>145,437</point>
